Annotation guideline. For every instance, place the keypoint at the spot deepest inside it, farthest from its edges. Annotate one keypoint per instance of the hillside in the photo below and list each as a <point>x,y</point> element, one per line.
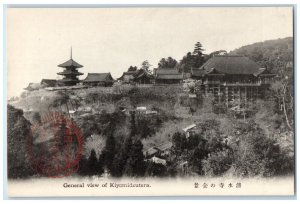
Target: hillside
<point>271,54</point>
<point>137,122</point>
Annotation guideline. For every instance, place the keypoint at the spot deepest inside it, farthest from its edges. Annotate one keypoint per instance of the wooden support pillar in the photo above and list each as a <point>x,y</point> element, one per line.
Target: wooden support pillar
<point>239,96</point>
<point>246,94</point>
<point>226,95</point>
<point>219,94</point>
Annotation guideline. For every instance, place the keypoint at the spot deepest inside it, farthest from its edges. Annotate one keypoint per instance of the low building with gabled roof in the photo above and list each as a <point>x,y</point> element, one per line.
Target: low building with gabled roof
<point>127,76</point>
<point>48,82</point>
<point>98,79</point>
<point>167,76</point>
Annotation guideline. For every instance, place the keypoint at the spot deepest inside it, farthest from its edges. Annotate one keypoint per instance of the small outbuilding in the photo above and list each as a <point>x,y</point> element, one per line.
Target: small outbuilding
<point>48,82</point>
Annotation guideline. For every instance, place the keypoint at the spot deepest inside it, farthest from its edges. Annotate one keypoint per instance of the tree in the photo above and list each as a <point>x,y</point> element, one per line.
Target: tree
<point>217,163</point>
<point>132,125</point>
<point>135,165</point>
<point>195,161</point>
<point>83,167</point>
<point>282,90</point>
<point>121,158</point>
<point>60,100</point>
<point>198,49</point>
<point>18,131</point>
<point>156,170</point>
<point>132,68</point>
<point>146,66</point>
<point>168,63</point>
<point>108,153</point>
<point>192,60</point>
<point>187,63</point>
<point>179,142</point>
<point>198,55</point>
<point>260,155</point>
<point>92,164</point>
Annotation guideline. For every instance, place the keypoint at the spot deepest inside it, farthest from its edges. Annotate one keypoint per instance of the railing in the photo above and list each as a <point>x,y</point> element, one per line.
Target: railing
<point>211,82</point>
<point>243,84</point>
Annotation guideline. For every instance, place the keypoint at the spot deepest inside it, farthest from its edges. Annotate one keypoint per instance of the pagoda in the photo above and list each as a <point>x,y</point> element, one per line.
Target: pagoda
<point>70,73</point>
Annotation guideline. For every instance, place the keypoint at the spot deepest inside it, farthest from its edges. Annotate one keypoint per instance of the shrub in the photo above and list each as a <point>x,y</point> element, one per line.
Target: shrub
<point>217,163</point>
<point>260,155</point>
<point>155,170</point>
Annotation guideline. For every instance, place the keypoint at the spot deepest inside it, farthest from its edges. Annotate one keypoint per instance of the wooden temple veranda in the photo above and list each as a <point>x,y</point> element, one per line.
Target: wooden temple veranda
<point>233,79</point>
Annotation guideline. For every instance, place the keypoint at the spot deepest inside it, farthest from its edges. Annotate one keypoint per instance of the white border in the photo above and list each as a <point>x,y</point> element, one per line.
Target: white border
<point>139,2</point>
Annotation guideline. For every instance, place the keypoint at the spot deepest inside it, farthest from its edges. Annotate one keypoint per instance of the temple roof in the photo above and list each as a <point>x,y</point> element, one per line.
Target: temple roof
<point>48,82</point>
<point>168,74</point>
<point>69,72</point>
<point>172,76</point>
<point>141,73</point>
<point>68,80</point>
<point>130,73</point>
<point>163,71</point>
<point>231,64</point>
<point>263,71</point>
<point>96,77</point>
<point>70,63</point>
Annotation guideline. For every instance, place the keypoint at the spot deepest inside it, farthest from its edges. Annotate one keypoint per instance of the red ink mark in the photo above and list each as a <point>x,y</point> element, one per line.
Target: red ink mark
<point>55,146</point>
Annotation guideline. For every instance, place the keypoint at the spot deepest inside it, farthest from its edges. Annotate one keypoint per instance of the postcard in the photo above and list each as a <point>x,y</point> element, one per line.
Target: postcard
<point>150,101</point>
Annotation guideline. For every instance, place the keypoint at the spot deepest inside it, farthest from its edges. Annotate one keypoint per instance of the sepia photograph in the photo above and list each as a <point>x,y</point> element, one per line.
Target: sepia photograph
<point>150,101</point>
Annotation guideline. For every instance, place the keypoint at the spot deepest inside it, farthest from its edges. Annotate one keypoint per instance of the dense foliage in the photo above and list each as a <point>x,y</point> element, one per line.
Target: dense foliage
<point>18,133</point>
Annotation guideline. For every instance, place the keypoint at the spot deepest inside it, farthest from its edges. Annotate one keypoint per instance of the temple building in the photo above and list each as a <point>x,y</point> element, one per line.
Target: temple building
<point>98,79</point>
<point>139,76</point>
<point>143,77</point>
<point>232,78</point>
<point>167,76</point>
<point>127,77</point>
<point>70,73</point>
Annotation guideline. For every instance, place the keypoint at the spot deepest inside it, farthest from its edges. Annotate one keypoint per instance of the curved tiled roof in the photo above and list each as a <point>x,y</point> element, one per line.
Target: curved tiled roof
<point>48,82</point>
<point>231,64</point>
<point>70,63</point>
<point>167,71</point>
<point>130,73</point>
<point>168,74</point>
<point>172,76</point>
<point>140,73</point>
<point>94,77</point>
<point>69,80</point>
<point>69,72</point>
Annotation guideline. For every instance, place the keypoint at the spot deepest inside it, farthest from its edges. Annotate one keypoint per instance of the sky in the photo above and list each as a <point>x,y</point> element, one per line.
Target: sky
<point>112,39</point>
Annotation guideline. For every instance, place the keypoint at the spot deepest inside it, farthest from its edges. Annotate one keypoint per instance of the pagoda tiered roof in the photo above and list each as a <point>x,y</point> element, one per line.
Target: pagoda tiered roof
<point>70,63</point>
<point>70,72</point>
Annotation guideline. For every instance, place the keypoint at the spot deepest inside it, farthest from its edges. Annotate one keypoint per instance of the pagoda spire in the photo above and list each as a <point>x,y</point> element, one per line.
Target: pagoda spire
<point>70,72</point>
